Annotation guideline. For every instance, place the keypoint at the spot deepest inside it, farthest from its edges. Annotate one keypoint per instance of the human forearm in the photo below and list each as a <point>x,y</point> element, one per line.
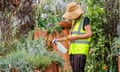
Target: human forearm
<point>71,38</point>
<point>84,36</point>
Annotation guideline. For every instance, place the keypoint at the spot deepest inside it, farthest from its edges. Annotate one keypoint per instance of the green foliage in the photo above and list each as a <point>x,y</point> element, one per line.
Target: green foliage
<point>50,14</point>
<point>38,54</point>
<point>29,54</point>
<point>47,16</point>
<point>101,44</point>
<point>4,65</point>
<point>96,58</point>
<point>39,61</point>
<point>6,47</point>
<point>43,61</point>
<point>50,23</point>
<point>55,58</point>
<point>33,46</point>
<point>115,50</point>
<point>15,60</point>
<point>112,17</point>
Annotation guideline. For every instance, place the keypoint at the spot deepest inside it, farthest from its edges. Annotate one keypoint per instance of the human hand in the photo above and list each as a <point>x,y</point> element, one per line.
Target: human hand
<point>54,41</point>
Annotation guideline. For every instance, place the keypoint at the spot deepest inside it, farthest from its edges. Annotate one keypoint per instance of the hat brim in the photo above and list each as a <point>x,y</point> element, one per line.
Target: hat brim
<point>74,14</point>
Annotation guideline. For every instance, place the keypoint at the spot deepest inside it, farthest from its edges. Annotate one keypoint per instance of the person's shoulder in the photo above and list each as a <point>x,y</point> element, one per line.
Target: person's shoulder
<point>86,21</point>
<point>85,17</point>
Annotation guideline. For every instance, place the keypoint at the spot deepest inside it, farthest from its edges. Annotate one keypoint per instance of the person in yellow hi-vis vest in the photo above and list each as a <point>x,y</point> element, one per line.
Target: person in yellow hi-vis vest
<point>79,37</point>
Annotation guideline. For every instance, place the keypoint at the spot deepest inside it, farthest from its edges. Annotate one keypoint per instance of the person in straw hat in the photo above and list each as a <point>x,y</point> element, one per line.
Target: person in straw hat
<point>80,36</point>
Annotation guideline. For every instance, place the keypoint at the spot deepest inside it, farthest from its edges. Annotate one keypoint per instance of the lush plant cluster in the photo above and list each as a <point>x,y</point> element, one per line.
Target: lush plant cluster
<point>16,61</point>
<point>97,48</point>
<point>100,57</point>
<point>115,50</point>
<point>28,55</point>
<point>49,14</point>
<point>46,17</point>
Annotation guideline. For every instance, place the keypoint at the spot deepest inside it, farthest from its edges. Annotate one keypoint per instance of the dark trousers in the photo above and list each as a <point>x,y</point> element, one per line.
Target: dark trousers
<point>77,62</point>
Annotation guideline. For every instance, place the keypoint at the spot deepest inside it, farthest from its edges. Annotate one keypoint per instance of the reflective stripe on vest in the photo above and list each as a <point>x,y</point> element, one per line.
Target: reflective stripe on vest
<point>80,42</point>
<point>79,28</point>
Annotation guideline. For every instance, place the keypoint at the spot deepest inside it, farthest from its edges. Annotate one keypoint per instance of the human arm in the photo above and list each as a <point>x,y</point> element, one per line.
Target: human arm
<point>83,36</point>
<point>86,27</point>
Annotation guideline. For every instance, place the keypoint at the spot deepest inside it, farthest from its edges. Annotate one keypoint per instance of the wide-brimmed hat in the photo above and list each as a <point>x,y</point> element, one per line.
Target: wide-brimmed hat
<point>73,11</point>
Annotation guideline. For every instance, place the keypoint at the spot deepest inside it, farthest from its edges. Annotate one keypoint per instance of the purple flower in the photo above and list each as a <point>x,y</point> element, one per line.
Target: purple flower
<point>46,7</point>
<point>50,25</point>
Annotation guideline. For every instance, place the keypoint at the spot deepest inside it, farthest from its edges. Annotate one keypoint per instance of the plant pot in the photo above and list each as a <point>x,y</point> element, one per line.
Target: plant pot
<point>118,63</point>
<point>36,33</point>
<point>14,70</point>
<point>37,69</point>
<point>16,2</point>
<point>53,67</point>
<point>65,24</point>
<point>57,34</point>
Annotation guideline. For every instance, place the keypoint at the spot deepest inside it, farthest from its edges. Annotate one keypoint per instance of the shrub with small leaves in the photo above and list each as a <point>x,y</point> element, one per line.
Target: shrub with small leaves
<point>116,46</point>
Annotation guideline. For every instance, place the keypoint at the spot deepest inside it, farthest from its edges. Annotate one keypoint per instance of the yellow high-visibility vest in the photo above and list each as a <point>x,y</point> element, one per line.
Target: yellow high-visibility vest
<point>80,46</point>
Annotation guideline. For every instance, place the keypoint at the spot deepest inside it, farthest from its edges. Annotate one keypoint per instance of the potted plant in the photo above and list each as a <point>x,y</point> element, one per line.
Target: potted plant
<point>29,56</point>
<point>49,21</point>
<point>65,24</point>
<point>119,63</point>
<point>39,30</point>
<point>116,50</point>
<point>39,57</point>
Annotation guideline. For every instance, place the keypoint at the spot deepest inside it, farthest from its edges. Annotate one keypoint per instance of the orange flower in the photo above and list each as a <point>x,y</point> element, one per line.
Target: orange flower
<point>105,67</point>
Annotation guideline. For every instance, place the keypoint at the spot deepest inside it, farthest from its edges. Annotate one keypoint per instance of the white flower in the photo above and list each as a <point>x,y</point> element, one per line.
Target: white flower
<point>10,65</point>
<point>43,16</point>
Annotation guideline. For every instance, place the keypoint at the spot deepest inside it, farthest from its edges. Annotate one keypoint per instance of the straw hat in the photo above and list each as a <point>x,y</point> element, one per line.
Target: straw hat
<point>73,11</point>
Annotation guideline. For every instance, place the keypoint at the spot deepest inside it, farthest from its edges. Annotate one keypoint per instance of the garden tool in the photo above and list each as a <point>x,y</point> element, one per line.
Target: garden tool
<point>60,47</point>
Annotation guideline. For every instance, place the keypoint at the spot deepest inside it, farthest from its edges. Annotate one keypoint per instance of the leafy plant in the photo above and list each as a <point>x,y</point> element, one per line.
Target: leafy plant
<point>39,61</point>
<point>16,61</point>
<point>55,58</point>
<point>4,65</point>
<point>101,44</point>
<point>39,56</point>
<point>50,23</point>
<point>50,15</point>
<point>28,55</point>
<point>33,47</point>
<point>116,46</point>
<point>42,62</point>
<point>96,59</point>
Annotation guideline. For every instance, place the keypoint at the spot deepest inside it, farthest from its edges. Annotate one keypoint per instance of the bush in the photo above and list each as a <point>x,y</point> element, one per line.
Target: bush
<point>28,55</point>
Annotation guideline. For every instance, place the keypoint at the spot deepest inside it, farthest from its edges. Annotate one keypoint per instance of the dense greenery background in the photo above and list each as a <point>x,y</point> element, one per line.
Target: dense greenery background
<point>103,14</point>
